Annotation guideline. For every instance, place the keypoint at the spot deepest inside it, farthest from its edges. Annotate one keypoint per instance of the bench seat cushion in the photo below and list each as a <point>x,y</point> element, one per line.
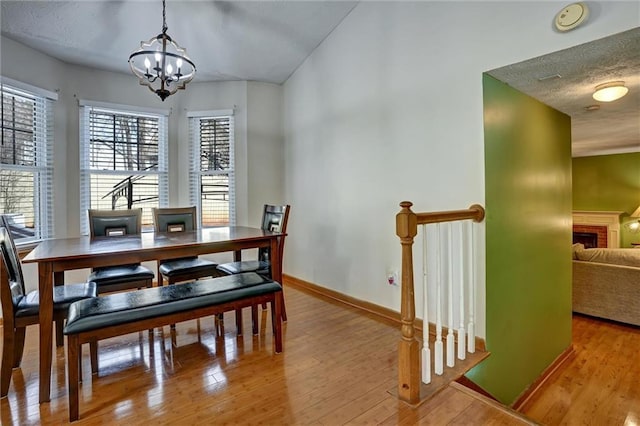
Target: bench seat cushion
<point>188,266</point>
<point>132,306</point>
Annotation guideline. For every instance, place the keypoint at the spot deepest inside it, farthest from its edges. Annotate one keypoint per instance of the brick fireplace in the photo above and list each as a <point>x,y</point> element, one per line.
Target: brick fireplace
<point>590,235</point>
<point>606,226</point>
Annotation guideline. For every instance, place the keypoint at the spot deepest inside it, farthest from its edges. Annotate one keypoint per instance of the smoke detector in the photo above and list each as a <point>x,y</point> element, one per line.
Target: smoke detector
<point>571,16</point>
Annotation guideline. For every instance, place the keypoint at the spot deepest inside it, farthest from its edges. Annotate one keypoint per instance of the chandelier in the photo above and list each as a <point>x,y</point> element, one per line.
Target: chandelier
<point>161,64</point>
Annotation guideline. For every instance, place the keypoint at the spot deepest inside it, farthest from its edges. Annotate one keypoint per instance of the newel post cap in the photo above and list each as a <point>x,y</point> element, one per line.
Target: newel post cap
<point>406,221</point>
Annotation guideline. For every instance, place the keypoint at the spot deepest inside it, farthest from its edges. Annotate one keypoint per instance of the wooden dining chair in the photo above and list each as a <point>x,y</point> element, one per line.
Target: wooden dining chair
<point>181,219</point>
<point>274,218</point>
<point>20,309</point>
<point>115,223</point>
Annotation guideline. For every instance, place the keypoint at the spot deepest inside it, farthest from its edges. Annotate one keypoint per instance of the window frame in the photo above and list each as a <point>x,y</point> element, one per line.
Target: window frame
<point>42,167</point>
<point>195,172</point>
<point>86,172</point>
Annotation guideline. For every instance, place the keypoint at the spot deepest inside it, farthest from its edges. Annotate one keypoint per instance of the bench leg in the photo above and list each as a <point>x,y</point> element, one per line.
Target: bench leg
<point>73,369</point>
<point>93,350</point>
<point>276,319</point>
<point>254,319</point>
<point>219,322</point>
<point>239,321</point>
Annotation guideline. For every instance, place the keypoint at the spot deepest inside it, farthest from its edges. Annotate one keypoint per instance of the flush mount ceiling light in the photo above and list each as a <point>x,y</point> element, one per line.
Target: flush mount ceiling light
<point>161,64</point>
<point>609,92</point>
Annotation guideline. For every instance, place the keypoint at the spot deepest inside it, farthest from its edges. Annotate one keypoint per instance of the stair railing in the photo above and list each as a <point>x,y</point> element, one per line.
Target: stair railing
<point>448,229</point>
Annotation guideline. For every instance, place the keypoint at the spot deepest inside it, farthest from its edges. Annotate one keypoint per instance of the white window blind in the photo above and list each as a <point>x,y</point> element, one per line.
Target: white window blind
<point>123,161</point>
<point>211,172</point>
<point>26,162</point>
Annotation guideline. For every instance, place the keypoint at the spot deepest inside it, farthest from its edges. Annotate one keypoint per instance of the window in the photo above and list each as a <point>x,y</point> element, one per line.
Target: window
<point>211,173</point>
<point>26,160</point>
<point>123,161</point>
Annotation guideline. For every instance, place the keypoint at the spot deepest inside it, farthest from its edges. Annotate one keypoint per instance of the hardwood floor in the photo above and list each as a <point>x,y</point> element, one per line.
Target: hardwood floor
<point>600,385</point>
<point>338,367</point>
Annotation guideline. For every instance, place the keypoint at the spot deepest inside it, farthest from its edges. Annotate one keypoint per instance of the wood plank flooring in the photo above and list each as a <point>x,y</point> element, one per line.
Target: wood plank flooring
<point>600,385</point>
<point>338,367</point>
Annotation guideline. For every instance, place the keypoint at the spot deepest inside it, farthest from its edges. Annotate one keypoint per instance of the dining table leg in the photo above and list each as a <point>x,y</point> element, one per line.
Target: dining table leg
<point>58,279</point>
<point>45,287</point>
<point>276,271</point>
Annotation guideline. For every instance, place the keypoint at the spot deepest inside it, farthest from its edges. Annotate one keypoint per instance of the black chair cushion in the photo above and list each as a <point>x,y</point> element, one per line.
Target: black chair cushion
<point>120,274</point>
<point>245,266</point>
<point>63,296</point>
<point>187,265</point>
<point>132,306</point>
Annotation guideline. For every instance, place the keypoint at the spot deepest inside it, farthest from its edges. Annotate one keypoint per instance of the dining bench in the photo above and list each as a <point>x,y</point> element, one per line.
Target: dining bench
<point>116,314</point>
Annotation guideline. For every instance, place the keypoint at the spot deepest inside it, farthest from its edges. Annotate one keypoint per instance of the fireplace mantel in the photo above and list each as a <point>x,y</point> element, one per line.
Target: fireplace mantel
<point>610,219</point>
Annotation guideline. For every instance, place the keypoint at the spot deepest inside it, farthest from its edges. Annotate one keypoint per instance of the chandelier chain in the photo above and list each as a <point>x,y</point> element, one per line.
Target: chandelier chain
<point>164,18</point>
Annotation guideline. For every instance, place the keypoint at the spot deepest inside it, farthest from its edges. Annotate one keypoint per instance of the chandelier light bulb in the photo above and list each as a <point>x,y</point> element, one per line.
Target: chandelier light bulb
<point>609,92</point>
<point>147,63</point>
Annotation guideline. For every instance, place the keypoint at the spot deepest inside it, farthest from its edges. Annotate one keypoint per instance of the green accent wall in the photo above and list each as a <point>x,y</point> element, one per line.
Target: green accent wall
<point>609,183</point>
<point>528,239</point>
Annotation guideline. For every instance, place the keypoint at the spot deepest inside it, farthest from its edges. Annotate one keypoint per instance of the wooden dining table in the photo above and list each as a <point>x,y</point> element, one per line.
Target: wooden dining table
<point>56,256</point>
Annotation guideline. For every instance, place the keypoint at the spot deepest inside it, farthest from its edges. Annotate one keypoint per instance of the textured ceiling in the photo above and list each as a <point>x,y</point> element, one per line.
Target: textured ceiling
<point>227,40</point>
<point>268,40</point>
<point>565,80</point>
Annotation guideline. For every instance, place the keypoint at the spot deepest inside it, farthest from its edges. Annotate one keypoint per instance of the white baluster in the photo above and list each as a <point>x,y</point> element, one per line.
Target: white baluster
<point>426,351</point>
<point>471,267</point>
<point>451,358</point>
<point>462,347</point>
<point>438,349</point>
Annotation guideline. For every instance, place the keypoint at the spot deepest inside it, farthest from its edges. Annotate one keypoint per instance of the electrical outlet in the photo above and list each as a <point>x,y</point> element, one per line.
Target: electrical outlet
<point>392,277</point>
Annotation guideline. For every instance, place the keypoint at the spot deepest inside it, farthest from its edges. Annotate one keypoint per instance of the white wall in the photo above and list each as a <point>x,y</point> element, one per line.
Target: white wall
<point>389,108</point>
<point>264,127</point>
<point>72,83</point>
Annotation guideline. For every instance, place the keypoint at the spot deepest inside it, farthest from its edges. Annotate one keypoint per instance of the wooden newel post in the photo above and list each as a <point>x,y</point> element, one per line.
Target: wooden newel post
<point>409,347</point>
